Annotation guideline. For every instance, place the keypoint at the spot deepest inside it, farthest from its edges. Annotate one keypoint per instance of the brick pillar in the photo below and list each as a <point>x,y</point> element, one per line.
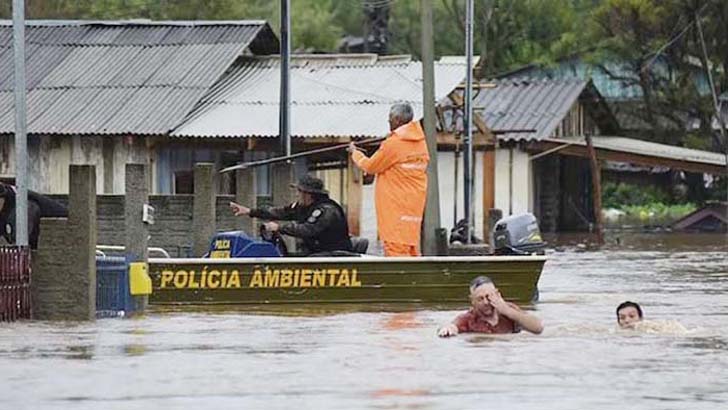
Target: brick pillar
<point>64,267</point>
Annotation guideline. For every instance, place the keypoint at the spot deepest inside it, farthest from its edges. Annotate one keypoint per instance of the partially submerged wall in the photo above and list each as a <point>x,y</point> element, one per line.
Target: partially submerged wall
<point>172,229</point>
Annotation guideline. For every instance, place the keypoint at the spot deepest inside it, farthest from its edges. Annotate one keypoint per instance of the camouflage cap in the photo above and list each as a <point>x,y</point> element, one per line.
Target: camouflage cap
<point>311,185</point>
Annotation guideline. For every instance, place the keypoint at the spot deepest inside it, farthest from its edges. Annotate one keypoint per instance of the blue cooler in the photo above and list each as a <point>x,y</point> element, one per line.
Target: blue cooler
<point>237,244</point>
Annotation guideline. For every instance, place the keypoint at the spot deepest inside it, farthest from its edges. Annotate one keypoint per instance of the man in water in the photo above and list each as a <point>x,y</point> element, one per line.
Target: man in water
<point>629,314</point>
<point>490,313</point>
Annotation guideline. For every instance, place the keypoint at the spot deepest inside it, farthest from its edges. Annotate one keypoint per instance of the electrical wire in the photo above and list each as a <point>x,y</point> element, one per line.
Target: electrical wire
<point>674,38</point>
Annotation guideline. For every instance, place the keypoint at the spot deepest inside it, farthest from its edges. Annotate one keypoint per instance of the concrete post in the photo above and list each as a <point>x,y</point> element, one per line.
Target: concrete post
<point>136,194</point>
<point>353,197</point>
<point>64,267</point>
<point>431,221</point>
<point>203,209</point>
<point>283,194</point>
<point>246,193</point>
<point>494,215</point>
<point>136,231</point>
<point>282,180</point>
<point>443,247</point>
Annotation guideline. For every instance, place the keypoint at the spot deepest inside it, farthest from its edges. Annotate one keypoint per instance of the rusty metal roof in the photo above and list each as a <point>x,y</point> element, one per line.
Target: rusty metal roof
<point>510,107</point>
<point>331,95</point>
<point>119,77</point>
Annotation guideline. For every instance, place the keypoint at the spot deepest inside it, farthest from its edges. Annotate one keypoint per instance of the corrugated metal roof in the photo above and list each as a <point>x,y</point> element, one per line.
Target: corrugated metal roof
<point>652,149</point>
<point>336,95</point>
<point>506,105</point>
<point>112,77</point>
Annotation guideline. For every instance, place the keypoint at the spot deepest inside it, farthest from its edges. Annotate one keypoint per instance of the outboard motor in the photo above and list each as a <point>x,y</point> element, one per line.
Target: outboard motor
<point>517,235</point>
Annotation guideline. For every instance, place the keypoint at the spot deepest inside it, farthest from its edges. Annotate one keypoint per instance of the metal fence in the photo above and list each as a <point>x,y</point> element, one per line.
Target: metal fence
<point>14,283</point>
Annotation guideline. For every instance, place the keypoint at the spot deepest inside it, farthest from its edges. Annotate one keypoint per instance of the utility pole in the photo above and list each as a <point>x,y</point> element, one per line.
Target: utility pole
<point>432,208</point>
<point>468,121</point>
<point>376,36</point>
<point>21,142</point>
<point>716,106</point>
<point>284,129</point>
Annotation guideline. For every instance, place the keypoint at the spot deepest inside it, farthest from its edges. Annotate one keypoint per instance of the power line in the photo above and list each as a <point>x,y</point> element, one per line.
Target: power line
<point>675,38</point>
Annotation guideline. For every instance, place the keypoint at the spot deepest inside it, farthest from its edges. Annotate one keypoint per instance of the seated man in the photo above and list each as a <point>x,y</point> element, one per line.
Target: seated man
<point>318,220</point>
<point>629,314</point>
<point>490,313</point>
<point>38,206</point>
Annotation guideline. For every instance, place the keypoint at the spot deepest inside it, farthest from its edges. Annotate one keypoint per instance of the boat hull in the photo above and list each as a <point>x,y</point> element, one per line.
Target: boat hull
<point>266,281</point>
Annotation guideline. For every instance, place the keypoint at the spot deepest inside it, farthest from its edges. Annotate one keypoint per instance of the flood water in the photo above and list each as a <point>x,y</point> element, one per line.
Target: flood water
<point>372,360</point>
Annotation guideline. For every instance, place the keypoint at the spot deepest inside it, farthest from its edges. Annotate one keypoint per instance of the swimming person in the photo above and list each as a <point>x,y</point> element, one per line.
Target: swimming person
<point>630,317</point>
<point>629,314</point>
<point>490,313</point>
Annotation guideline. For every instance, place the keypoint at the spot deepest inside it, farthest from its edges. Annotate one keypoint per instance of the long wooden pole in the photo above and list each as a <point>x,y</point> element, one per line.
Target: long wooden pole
<point>596,188</point>
<point>302,154</point>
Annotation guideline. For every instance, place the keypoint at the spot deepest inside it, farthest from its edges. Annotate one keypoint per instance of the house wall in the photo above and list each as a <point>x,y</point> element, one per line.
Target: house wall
<point>547,192</point>
<point>513,181</point>
<point>49,158</point>
<point>576,213</point>
<point>172,229</point>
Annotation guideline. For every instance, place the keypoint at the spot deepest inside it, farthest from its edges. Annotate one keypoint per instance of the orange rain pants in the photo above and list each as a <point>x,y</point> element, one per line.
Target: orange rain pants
<point>400,249</point>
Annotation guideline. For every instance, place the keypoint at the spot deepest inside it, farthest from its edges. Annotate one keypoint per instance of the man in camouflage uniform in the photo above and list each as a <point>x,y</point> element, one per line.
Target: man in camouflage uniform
<point>315,218</point>
<point>38,206</point>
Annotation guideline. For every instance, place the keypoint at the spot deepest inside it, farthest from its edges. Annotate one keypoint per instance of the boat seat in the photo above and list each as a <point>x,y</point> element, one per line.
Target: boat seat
<point>359,245</point>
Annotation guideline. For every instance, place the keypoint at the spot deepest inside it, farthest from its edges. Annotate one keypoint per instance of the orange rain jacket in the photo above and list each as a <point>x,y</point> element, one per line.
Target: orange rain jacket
<point>400,165</point>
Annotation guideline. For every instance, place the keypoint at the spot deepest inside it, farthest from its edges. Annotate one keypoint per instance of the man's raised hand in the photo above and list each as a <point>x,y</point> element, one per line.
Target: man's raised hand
<point>238,209</point>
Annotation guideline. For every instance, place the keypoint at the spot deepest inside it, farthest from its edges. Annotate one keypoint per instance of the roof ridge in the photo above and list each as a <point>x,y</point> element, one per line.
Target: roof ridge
<point>534,81</point>
<point>133,22</point>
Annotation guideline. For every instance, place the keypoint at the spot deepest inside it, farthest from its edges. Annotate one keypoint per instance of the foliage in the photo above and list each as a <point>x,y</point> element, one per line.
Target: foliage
<point>508,34</point>
<point>673,83</point>
<point>640,205</point>
<point>621,195</point>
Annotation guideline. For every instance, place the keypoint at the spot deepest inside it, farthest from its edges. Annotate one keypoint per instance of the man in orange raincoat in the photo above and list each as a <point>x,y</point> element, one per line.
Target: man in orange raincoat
<point>400,166</point>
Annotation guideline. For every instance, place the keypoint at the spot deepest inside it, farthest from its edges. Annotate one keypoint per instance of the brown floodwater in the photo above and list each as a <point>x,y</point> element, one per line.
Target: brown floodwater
<point>342,358</point>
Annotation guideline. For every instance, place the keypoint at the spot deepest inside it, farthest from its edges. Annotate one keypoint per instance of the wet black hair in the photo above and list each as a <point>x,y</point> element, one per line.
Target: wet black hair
<point>629,304</point>
<point>480,280</point>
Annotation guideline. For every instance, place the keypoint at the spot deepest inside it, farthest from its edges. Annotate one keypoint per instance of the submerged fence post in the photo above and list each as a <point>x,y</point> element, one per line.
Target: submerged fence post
<point>135,198</point>
<point>203,209</point>
<point>283,195</point>
<point>64,267</point>
<point>137,230</point>
<point>246,193</point>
